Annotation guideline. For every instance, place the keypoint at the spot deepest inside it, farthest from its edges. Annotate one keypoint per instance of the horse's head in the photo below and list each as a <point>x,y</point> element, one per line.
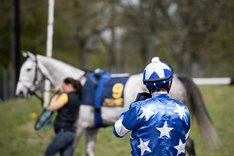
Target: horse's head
<point>30,76</point>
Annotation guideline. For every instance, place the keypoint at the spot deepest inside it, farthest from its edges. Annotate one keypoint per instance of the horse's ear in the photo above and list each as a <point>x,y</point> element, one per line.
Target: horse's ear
<point>25,54</point>
<point>30,55</point>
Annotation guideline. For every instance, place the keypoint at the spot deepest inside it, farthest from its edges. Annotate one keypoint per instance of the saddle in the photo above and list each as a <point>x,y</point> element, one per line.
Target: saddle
<point>103,89</point>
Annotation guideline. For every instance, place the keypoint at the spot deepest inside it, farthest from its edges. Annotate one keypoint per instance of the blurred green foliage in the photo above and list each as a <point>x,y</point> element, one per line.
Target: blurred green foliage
<point>195,36</point>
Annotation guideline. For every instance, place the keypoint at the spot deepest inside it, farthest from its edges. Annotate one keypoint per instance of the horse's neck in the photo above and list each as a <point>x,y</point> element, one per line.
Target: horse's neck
<point>56,70</point>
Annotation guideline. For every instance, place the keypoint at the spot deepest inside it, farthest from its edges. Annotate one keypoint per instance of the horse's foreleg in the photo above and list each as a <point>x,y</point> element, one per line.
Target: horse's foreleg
<point>79,132</point>
<point>91,135</point>
<point>190,147</point>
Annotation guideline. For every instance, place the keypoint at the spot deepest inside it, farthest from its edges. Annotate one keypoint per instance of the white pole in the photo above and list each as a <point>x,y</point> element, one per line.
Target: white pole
<point>49,46</point>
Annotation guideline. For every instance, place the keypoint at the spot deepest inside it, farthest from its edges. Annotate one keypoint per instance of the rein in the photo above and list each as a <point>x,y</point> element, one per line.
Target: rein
<point>40,98</point>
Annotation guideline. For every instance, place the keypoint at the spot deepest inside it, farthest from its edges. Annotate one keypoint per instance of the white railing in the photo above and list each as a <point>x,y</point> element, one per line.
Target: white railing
<point>213,81</point>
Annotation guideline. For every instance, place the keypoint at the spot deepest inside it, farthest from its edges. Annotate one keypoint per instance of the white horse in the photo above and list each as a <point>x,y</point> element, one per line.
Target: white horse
<point>37,68</point>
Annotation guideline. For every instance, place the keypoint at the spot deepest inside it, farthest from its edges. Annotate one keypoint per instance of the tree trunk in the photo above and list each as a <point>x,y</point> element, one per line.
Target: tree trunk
<point>83,56</point>
<point>112,60</point>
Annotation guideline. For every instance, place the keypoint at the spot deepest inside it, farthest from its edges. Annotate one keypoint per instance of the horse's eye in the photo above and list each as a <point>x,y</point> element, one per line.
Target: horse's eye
<point>29,69</point>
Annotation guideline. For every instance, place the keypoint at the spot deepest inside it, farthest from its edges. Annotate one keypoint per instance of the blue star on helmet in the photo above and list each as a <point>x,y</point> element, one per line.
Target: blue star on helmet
<point>159,70</point>
<point>154,76</point>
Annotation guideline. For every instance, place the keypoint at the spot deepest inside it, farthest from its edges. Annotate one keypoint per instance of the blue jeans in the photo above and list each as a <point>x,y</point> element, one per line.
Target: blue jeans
<point>62,143</point>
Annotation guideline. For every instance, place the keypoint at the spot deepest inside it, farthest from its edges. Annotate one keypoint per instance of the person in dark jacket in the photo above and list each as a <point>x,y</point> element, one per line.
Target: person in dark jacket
<point>66,102</point>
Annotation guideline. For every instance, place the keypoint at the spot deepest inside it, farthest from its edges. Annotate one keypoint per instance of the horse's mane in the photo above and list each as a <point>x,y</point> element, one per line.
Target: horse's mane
<point>59,69</point>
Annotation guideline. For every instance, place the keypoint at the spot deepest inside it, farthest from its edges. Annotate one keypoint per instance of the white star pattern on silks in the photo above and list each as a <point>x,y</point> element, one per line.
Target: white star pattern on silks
<point>146,112</point>
<point>144,146</point>
<point>165,130</point>
<point>180,148</point>
<point>180,110</point>
<point>187,135</point>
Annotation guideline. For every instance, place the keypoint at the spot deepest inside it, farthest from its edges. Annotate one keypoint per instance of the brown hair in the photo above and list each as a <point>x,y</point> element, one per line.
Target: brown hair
<point>75,84</point>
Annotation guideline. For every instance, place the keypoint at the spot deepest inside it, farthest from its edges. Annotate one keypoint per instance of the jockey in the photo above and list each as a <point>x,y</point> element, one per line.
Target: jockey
<point>160,125</point>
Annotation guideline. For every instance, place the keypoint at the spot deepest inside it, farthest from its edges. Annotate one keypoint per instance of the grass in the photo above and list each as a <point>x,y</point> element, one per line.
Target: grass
<point>219,102</point>
<point>18,137</point>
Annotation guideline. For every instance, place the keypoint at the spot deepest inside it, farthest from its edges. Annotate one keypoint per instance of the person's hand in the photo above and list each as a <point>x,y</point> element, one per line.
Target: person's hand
<point>58,89</point>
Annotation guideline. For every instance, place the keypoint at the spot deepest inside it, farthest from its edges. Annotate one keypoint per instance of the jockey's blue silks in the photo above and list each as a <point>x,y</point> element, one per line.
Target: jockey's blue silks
<point>159,125</point>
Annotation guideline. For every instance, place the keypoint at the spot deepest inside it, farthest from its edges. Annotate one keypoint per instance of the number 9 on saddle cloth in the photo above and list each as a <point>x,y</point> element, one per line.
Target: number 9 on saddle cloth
<point>103,89</point>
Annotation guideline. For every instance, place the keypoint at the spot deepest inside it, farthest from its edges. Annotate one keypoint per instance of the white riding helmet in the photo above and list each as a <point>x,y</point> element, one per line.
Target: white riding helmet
<point>157,74</point>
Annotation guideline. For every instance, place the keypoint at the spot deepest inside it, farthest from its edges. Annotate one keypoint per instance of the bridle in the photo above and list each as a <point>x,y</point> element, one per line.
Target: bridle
<point>35,82</point>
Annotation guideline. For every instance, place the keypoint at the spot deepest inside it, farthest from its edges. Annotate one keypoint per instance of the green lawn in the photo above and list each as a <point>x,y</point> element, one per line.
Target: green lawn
<point>18,137</point>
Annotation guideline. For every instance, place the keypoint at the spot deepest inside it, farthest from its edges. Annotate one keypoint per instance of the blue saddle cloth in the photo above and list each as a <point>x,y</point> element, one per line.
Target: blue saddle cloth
<point>103,90</point>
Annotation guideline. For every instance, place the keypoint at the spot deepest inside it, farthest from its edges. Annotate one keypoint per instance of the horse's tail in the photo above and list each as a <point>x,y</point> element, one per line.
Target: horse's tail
<point>198,109</point>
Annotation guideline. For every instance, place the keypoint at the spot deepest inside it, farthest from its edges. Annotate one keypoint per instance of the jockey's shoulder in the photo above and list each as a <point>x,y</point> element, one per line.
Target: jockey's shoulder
<point>178,103</point>
<point>134,104</point>
<point>140,98</point>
